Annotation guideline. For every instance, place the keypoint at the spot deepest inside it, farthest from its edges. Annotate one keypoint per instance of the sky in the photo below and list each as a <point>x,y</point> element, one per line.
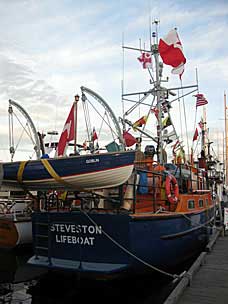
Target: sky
<point>49,49</point>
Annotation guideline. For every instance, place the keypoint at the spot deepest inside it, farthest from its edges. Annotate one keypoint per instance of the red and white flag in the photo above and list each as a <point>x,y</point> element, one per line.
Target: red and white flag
<point>155,111</point>
<point>67,134</point>
<point>200,100</point>
<point>171,52</point>
<point>195,135</point>
<point>94,135</point>
<point>130,140</point>
<point>146,60</point>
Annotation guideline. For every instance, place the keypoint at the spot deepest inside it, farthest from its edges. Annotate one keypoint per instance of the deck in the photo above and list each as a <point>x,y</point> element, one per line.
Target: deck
<point>206,282</point>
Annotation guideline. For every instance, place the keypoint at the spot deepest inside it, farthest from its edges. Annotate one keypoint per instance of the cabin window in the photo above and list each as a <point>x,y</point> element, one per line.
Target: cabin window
<point>191,204</point>
<point>200,203</point>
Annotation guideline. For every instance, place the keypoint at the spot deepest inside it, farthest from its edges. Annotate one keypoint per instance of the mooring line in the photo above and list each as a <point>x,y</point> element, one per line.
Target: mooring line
<point>174,276</point>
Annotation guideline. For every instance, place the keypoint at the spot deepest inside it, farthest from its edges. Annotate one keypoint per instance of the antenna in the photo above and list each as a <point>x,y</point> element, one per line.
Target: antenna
<point>150,30</point>
<point>156,22</point>
<point>122,81</point>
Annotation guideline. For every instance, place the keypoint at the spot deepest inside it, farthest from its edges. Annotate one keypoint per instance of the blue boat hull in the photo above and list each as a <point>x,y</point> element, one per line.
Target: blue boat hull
<point>85,172</point>
<point>116,243</point>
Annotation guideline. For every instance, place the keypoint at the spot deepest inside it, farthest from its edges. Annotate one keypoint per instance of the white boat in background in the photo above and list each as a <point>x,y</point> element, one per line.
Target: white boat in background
<point>15,220</point>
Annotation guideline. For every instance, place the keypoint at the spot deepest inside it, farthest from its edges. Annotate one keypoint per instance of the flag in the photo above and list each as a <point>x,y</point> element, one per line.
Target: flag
<point>201,124</point>
<point>191,157</point>
<point>67,134</point>
<point>155,111</point>
<point>200,100</point>
<point>130,140</point>
<point>140,122</point>
<point>146,60</point>
<point>84,145</point>
<point>171,52</point>
<point>195,135</point>
<point>94,135</point>
<point>166,122</point>
<point>175,147</point>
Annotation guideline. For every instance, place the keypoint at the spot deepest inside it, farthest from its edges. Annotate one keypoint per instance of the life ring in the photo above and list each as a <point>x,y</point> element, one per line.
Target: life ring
<point>171,189</point>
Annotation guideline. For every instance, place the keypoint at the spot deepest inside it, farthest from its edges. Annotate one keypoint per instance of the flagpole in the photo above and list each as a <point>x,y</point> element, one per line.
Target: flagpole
<point>197,82</point>
<point>122,83</point>
<point>203,141</point>
<point>226,142</point>
<point>223,156</point>
<point>157,81</point>
<point>76,99</point>
<point>194,126</point>
<point>185,118</point>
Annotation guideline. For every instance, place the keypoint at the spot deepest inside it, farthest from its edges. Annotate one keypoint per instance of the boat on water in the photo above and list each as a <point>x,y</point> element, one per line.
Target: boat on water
<point>15,220</point>
<point>157,217</point>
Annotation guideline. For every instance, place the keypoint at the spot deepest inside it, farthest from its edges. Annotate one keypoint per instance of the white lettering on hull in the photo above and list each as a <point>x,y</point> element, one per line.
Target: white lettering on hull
<point>76,229</point>
<point>75,234</point>
<point>69,239</point>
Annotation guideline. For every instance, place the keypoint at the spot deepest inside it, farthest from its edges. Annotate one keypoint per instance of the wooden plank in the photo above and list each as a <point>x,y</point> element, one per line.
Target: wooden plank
<point>177,292</point>
<point>209,285</point>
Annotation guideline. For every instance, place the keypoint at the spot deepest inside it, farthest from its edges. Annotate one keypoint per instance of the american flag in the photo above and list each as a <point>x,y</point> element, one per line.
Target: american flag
<point>200,100</point>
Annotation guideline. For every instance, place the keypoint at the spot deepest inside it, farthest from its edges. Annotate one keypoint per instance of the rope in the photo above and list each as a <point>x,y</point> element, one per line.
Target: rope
<point>57,178</point>
<point>174,276</point>
<point>99,132</point>
<point>185,119</point>
<point>87,119</point>
<point>188,218</point>
<point>20,181</point>
<point>52,172</point>
<point>102,118</point>
<point>149,111</point>
<point>21,170</point>
<point>179,103</point>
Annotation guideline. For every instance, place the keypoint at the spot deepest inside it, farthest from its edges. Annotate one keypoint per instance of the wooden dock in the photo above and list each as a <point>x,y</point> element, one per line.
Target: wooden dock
<point>206,282</point>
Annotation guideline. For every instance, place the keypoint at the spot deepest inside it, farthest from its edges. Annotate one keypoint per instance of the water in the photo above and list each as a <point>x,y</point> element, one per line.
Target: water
<point>16,276</point>
<point>23,283</point>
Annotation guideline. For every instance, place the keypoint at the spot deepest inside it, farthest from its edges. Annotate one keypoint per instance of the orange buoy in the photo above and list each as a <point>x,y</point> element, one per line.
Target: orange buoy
<point>171,189</point>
